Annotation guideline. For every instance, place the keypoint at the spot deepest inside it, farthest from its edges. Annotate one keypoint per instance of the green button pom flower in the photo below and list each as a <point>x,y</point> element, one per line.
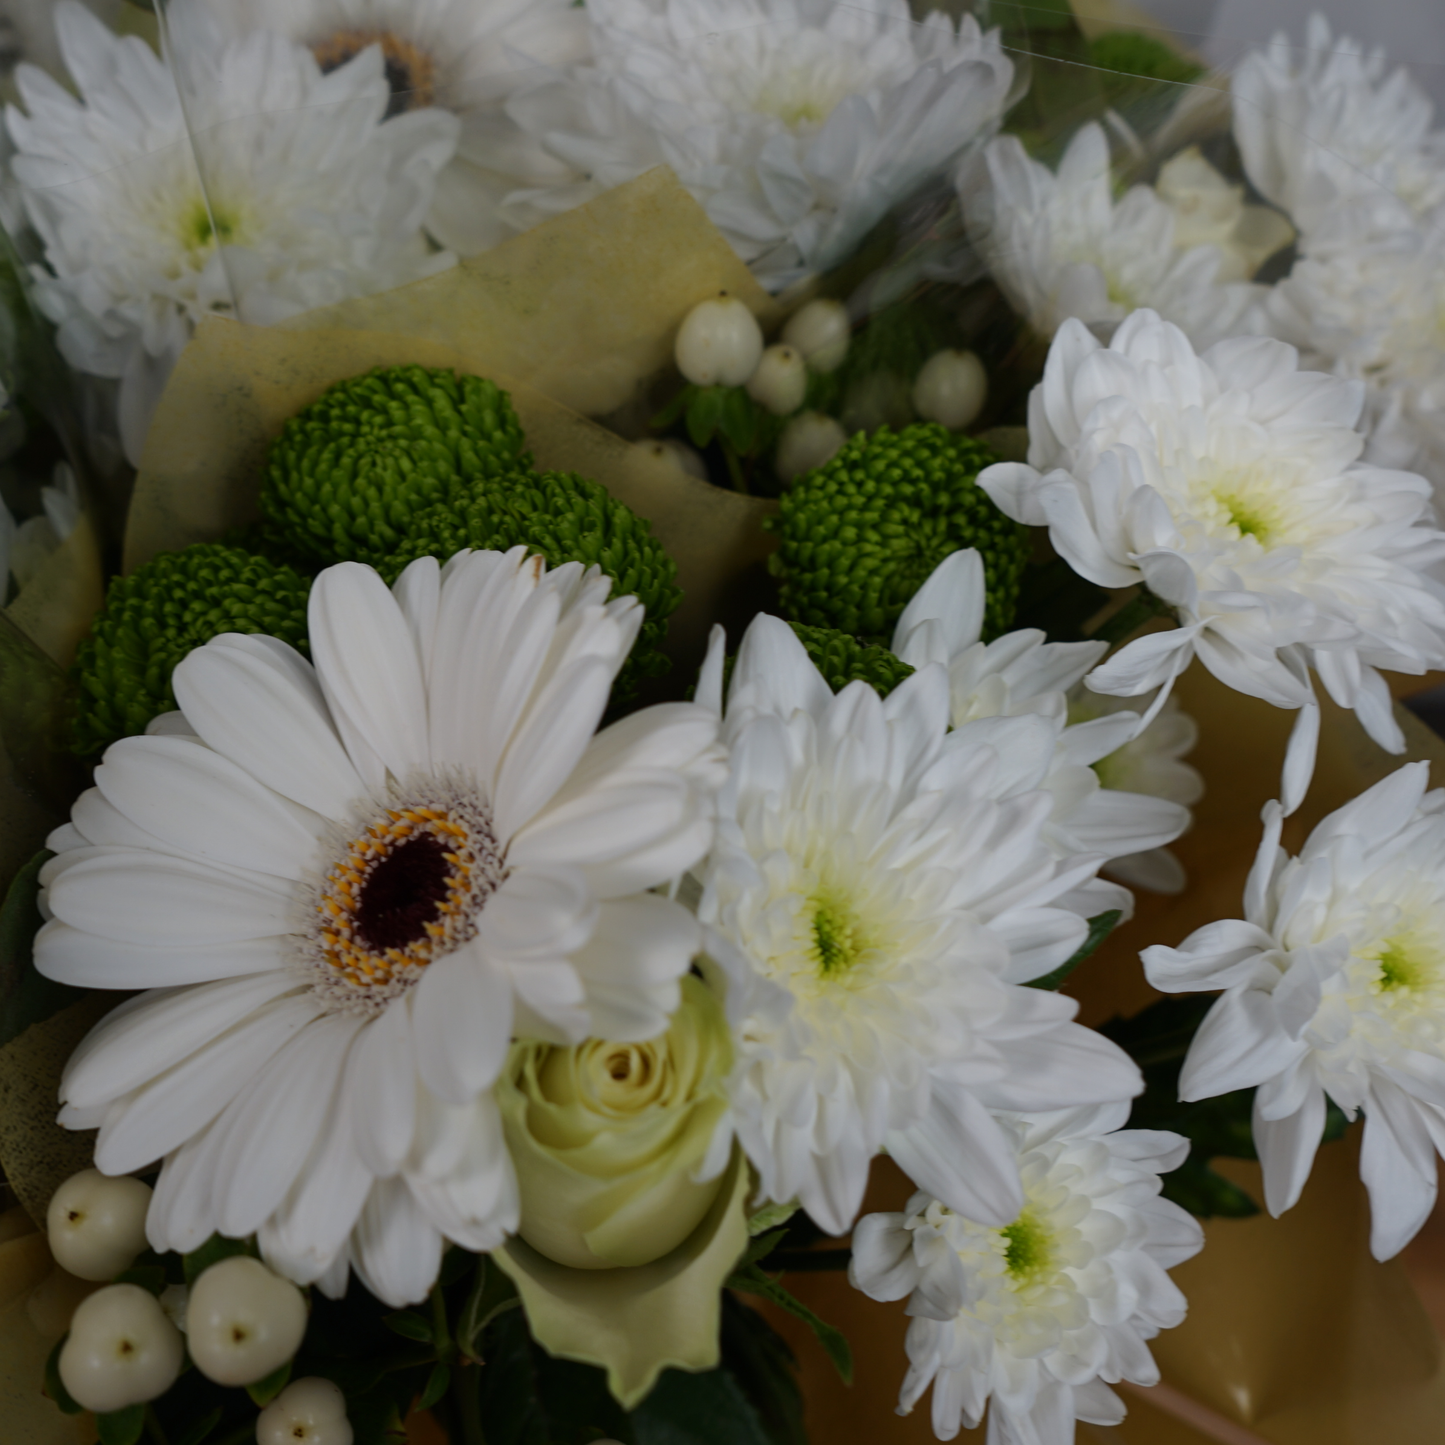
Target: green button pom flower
<point>350,472</point>
<point>566,518</point>
<point>154,617</point>
<point>859,535</point>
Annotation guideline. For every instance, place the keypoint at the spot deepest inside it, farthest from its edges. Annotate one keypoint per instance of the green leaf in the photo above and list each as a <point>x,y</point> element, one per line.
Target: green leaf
<point>410,1325</point>
<point>1196,1187</point>
<point>150,1277</point>
<point>674,409</point>
<point>772,1215</point>
<point>760,1247</point>
<point>263,1391</point>
<point>197,1431</point>
<point>528,1398</point>
<point>1101,925</point>
<point>213,1251</point>
<point>437,1384</point>
<point>759,1359</point>
<point>25,996</point>
<point>492,1294</point>
<point>54,1387</point>
<point>752,1280</point>
<point>739,419</point>
<point>121,1427</point>
<point>456,1262</point>
<point>705,1409</point>
<point>704,413</point>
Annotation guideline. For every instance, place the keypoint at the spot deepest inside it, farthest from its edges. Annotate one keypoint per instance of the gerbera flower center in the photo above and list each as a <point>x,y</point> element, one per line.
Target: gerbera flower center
<point>404,890</point>
<point>410,71</point>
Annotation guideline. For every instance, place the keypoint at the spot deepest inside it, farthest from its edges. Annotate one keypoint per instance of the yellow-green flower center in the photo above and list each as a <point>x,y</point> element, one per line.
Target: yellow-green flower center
<point>204,226</point>
<point>1404,965</point>
<point>1247,516</point>
<point>1028,1247</point>
<point>837,936</point>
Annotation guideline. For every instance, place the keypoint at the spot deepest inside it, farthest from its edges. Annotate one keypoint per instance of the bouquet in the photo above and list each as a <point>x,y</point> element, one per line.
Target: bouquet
<point>595,600</point>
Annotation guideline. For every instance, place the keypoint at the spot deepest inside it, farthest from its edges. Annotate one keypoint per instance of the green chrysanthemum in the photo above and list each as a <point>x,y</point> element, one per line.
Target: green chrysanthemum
<point>860,535</point>
<point>566,518</point>
<point>349,473</point>
<point>154,617</point>
<point>842,659</point>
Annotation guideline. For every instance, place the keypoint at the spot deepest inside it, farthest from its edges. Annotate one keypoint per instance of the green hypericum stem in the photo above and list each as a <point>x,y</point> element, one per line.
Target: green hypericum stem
<point>441,1332</point>
<point>466,1396</point>
<point>154,1429</point>
<point>1131,617</point>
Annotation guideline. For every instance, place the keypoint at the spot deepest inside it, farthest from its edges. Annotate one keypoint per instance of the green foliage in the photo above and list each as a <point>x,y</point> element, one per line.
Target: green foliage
<point>752,1279</point>
<point>54,1386</point>
<point>154,617</point>
<point>565,518</point>
<point>213,1251</point>
<point>1054,599</point>
<point>264,1390</point>
<point>26,997</point>
<point>349,473</point>
<point>859,535</point>
<point>1157,1039</point>
<point>1131,64</point>
<point>121,1427</point>
<point>1101,925</point>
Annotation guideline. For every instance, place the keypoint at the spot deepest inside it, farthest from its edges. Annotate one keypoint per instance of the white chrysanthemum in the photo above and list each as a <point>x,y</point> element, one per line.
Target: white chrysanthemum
<point>893,880</point>
<point>465,56</point>
<point>1326,127</point>
<point>796,123</point>
<point>1022,676</point>
<point>347,885</point>
<point>1059,246</point>
<point>1370,307</point>
<point>1229,484</point>
<point>1151,762</point>
<point>304,203</point>
<point>1034,1321</point>
<point>1334,984</point>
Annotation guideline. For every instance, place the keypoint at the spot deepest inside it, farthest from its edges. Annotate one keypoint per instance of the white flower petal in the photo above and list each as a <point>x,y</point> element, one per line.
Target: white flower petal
<point>462,1017</point>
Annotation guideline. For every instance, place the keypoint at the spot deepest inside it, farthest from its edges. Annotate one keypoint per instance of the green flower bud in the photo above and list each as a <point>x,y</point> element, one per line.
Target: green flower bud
<point>565,518</point>
<point>350,472</point>
<point>154,617</point>
<point>859,535</point>
<point>842,659</point>
<point>607,1138</point>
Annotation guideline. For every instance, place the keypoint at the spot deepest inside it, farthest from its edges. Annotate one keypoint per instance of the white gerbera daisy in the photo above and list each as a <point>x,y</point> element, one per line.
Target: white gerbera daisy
<point>1021,674</point>
<point>1326,127</point>
<point>309,201</point>
<point>465,56</point>
<point>797,125</point>
<point>1228,483</point>
<point>347,885</point>
<point>1059,246</point>
<point>1034,1321</point>
<point>893,880</point>
<point>1334,984</point>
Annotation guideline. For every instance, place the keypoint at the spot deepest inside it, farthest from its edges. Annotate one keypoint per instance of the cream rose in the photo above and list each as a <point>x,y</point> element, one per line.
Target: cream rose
<point>613,1143</point>
<point>1208,210</point>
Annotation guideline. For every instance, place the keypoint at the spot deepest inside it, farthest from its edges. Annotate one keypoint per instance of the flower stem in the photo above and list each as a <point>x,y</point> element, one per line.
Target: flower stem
<point>441,1332</point>
<point>466,1396</point>
<point>153,1426</point>
<point>1142,608</point>
<point>735,466</point>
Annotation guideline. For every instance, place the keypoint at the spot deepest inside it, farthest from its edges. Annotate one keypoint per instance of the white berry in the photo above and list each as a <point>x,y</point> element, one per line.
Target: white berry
<point>718,343</point>
<point>675,454</point>
<point>808,441</point>
<point>821,331</point>
<point>243,1322</point>
<point>122,1350</point>
<point>307,1412</point>
<point>97,1225</point>
<point>951,388</point>
<point>781,380</point>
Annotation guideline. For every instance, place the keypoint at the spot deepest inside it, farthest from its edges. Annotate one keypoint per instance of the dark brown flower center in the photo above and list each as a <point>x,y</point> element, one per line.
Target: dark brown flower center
<point>403,893</point>
<point>410,72</point>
